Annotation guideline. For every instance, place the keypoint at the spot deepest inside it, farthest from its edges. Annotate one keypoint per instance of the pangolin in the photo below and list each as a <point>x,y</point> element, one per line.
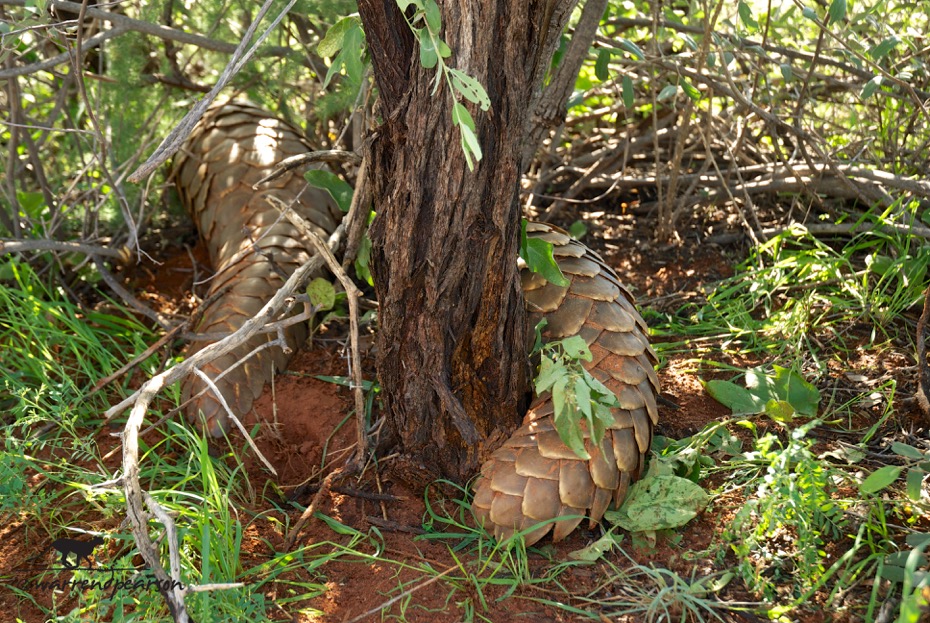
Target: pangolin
<point>252,248</point>
<point>534,477</point>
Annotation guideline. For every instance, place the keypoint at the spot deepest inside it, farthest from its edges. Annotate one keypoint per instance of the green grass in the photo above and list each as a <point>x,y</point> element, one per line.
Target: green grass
<point>53,354</point>
<point>795,292</point>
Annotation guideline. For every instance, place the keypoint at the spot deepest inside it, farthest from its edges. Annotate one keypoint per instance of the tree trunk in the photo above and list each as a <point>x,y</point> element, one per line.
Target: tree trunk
<point>452,329</point>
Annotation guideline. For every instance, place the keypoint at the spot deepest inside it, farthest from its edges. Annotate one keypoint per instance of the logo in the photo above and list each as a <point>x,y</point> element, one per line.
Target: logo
<point>75,555</point>
<point>80,549</point>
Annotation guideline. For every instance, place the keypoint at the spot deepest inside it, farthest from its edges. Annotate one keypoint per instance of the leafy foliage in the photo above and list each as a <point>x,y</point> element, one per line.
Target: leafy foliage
<point>581,402</point>
<point>659,502</point>
<point>537,255</point>
<point>779,396</point>
<point>426,24</point>
<point>795,497</point>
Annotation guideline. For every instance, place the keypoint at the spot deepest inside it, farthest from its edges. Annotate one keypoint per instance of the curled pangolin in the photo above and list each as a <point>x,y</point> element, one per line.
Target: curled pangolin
<point>534,476</point>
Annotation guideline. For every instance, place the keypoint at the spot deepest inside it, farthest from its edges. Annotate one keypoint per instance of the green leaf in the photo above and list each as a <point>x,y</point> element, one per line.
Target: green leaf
<point>880,478</point>
<point>879,264</point>
<point>429,57</point>
<point>333,184</point>
<point>539,259</point>
<point>786,385</point>
<point>444,50</point>
<point>334,69</point>
<point>578,229</point>
<point>322,294</point>
<point>780,411</point>
<point>633,49</point>
<point>599,423</point>
<point>471,89</point>
<point>403,4</point>
<point>605,397</point>
<point>901,559</point>
<point>629,95</point>
<point>849,454</point>
<point>332,42</point>
<point>601,64</point>
<point>32,203</point>
<point>737,398</point>
<point>470,144</point>
<point>363,261</point>
<point>460,115</point>
<point>917,539</point>
<point>910,452</point>
<point>558,397</point>
<point>745,15</point>
<point>350,41</point>
<point>596,550</point>
<point>689,89</point>
<point>336,526</point>
<point>884,48</point>
<point>549,373</point>
<point>566,418</point>
<point>433,16</point>
<point>658,503</point>
<point>668,92</point>
<point>786,72</point>
<point>538,329</point>
<point>870,87</point>
<point>576,348</point>
<point>352,52</point>
<point>914,482</point>
<point>792,387</point>
<point>837,12</point>
<point>894,573</point>
<point>583,398</point>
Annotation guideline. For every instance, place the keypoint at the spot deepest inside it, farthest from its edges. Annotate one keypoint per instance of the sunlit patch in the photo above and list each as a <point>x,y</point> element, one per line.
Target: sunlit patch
<point>266,142</point>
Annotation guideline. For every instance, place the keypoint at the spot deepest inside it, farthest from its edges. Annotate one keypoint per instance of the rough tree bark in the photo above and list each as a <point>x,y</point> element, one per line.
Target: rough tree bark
<point>452,342</point>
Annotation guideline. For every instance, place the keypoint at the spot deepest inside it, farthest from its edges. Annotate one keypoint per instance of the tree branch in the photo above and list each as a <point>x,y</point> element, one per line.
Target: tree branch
<point>923,368</point>
<point>128,23</point>
<point>552,105</point>
<point>64,57</point>
<point>8,245</point>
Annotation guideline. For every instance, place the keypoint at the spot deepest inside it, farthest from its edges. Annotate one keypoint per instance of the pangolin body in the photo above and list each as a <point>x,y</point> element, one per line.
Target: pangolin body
<point>534,476</point>
<point>234,146</point>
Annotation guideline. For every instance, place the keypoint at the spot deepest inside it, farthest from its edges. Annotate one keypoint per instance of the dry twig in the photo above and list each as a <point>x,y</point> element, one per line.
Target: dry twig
<point>352,296</point>
<point>136,499</point>
<point>333,156</point>
<point>923,368</point>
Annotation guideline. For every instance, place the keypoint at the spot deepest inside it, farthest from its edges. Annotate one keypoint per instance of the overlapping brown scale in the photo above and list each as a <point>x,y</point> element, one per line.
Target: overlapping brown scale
<point>234,146</point>
<point>534,476</point>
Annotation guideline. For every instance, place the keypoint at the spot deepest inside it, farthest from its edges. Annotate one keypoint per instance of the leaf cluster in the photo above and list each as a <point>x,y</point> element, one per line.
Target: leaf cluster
<point>426,24</point>
<point>780,396</point>
<point>917,464</point>
<point>580,401</point>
